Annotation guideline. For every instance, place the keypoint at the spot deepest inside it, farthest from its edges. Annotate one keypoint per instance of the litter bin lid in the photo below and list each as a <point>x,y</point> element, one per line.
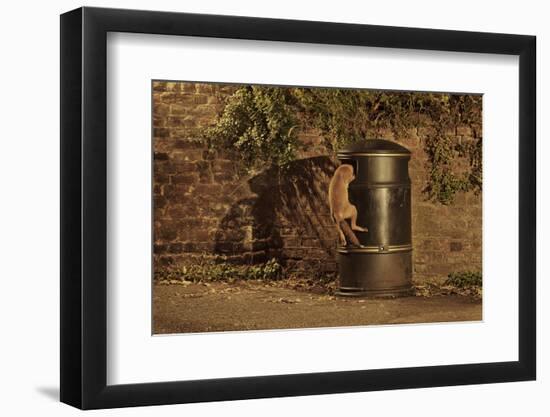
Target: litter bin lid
<point>372,147</point>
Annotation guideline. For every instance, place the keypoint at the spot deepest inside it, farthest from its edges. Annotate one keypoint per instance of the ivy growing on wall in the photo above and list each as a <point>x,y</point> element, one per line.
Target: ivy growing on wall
<point>260,125</point>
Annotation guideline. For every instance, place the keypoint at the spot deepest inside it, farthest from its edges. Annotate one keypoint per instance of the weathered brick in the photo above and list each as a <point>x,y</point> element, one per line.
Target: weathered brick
<point>187,144</point>
<point>160,248</point>
<point>159,86</point>
<point>171,97</point>
<point>161,156</point>
<point>257,245</point>
<point>159,202</point>
<point>178,211</point>
<point>161,132</point>
<point>205,88</point>
<point>209,189</point>
<point>188,87</point>
<point>464,131</point>
<point>178,109</point>
<point>188,179</point>
<point>308,242</point>
<point>168,231</point>
<point>173,86</point>
<point>194,235</point>
<point>161,110</point>
<point>455,246</point>
<point>158,122</point>
<point>175,192</point>
<point>187,155</point>
<point>223,165</point>
<point>164,261</point>
<point>176,248</point>
<point>222,177</point>
<point>174,121</point>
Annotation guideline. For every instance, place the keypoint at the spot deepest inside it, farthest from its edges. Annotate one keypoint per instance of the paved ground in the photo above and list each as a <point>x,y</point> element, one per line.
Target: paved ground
<point>182,308</point>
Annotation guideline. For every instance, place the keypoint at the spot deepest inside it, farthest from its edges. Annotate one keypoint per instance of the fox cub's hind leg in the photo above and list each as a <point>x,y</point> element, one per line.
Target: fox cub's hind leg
<point>353,217</point>
<point>341,234</point>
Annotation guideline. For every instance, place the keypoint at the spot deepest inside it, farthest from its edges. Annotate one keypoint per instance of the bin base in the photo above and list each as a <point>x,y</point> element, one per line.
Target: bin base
<point>374,274</point>
<point>394,292</point>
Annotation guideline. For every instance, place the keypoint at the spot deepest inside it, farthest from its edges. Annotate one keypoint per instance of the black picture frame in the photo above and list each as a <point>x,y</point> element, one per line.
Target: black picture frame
<point>84,207</point>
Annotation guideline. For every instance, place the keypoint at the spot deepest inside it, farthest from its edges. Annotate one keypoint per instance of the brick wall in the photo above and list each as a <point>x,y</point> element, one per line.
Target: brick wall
<point>202,207</point>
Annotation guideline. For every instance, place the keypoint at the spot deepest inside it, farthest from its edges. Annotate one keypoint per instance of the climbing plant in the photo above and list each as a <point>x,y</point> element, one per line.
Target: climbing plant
<point>260,125</point>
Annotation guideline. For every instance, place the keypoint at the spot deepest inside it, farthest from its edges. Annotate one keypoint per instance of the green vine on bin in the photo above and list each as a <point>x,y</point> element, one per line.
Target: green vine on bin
<point>260,126</point>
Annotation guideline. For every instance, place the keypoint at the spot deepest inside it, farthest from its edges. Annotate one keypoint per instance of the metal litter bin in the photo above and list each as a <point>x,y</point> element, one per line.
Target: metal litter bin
<point>381,192</point>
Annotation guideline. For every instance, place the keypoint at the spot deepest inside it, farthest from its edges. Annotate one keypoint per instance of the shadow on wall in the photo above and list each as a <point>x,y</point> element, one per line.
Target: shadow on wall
<point>285,216</point>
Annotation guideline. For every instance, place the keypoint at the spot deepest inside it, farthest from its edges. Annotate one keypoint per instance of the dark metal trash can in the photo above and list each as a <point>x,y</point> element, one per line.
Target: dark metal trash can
<point>381,192</point>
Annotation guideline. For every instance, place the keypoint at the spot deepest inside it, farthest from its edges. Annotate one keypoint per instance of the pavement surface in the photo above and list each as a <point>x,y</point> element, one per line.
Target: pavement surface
<point>214,307</point>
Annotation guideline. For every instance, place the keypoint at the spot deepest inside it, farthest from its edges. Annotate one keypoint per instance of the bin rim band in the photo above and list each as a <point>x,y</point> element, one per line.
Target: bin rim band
<point>393,154</point>
<point>376,249</point>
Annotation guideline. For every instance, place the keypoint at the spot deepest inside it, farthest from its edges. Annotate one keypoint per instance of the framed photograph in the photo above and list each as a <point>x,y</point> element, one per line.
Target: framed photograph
<point>257,208</point>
